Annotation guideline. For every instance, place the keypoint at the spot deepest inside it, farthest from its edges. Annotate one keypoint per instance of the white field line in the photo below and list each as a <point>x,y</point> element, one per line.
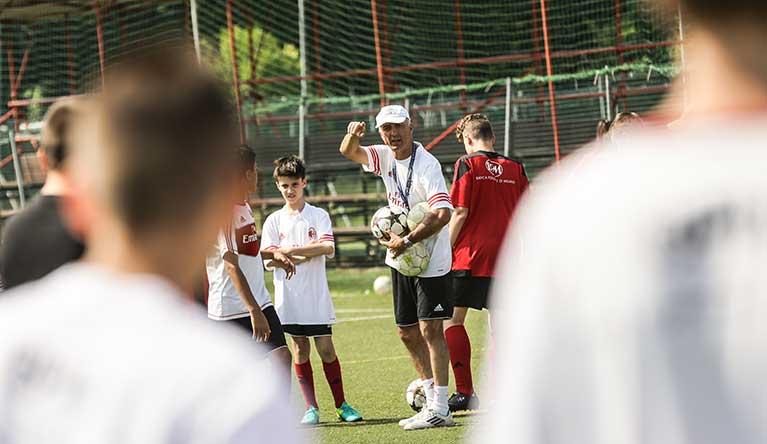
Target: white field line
<point>387,358</point>
<point>364,318</point>
<point>363,310</point>
<point>393,358</point>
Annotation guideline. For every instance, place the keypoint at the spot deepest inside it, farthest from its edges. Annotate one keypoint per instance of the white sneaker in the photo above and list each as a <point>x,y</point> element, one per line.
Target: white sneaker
<point>407,421</point>
<point>430,420</point>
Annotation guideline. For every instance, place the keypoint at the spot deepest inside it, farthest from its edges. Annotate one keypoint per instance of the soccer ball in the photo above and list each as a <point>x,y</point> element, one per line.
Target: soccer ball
<point>382,284</point>
<point>413,261</point>
<point>389,219</point>
<point>417,214</point>
<point>415,396</point>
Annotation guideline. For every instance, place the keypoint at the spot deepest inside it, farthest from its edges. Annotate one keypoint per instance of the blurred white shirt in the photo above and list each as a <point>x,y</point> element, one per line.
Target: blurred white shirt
<point>633,295</point>
<point>90,356</point>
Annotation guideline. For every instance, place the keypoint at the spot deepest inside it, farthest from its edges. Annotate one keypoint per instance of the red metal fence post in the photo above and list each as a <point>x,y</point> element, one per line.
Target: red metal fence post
<point>70,61</point>
<point>459,49</point>
<point>100,36</point>
<point>235,76</point>
<point>379,63</point>
<point>552,96</point>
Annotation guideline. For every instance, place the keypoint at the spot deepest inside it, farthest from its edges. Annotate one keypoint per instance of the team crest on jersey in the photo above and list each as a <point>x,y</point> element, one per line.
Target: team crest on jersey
<point>494,168</point>
<point>312,233</point>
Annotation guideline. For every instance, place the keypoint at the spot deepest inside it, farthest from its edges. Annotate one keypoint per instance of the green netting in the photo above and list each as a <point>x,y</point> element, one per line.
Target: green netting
<point>441,58</point>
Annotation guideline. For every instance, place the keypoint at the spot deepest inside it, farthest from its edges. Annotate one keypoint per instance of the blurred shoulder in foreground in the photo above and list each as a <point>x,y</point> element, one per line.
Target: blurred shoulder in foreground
<point>110,349</point>
<point>633,290</point>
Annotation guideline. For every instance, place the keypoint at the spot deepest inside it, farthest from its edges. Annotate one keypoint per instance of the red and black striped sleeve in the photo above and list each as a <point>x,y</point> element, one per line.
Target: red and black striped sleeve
<point>460,192</point>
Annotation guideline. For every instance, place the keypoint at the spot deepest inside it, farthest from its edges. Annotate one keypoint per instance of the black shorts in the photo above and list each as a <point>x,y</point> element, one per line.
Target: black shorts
<point>420,299</point>
<point>308,330</point>
<point>277,338</point>
<point>471,291</point>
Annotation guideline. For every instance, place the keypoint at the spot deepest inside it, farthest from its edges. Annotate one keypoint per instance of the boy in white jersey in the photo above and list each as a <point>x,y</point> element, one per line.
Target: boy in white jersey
<point>236,290</point>
<point>304,233</point>
<point>411,176</point>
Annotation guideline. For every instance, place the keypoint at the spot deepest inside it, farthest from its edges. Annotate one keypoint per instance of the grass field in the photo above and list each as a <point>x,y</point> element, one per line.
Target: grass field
<point>376,367</point>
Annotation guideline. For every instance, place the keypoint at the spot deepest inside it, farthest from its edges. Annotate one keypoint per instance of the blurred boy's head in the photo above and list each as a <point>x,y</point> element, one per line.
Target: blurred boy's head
<point>154,159</point>
<point>248,173</point>
<point>290,177</point>
<point>738,26</point>
<point>58,123</point>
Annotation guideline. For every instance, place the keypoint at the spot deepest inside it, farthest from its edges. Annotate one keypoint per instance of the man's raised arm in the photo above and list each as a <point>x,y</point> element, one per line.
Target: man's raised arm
<point>350,146</point>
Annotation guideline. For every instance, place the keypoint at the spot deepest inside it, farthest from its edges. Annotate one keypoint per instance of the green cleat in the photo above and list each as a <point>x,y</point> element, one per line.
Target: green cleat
<point>311,417</point>
<point>347,413</point>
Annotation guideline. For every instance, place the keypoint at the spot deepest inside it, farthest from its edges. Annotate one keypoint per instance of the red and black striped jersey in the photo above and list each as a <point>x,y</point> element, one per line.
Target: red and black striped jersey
<point>490,186</point>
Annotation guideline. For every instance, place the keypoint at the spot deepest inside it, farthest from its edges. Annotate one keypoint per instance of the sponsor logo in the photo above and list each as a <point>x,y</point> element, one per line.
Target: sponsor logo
<point>394,200</point>
<point>494,168</point>
<point>312,233</point>
<point>439,308</point>
<point>248,238</point>
<point>242,219</point>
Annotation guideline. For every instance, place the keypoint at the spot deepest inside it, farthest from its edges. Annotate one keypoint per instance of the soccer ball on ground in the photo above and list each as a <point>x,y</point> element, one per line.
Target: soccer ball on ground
<point>417,214</point>
<point>413,261</point>
<point>388,219</point>
<point>382,284</point>
<point>415,396</point>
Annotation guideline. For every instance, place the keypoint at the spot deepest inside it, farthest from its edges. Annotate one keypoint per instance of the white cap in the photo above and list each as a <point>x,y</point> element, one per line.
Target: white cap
<point>392,114</point>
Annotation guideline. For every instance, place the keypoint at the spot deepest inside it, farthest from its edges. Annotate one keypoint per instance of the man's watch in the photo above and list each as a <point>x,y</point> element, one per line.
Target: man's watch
<point>407,241</point>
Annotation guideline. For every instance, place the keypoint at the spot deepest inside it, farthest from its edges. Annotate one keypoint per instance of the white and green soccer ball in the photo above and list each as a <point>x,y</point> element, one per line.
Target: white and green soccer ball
<point>415,396</point>
<point>417,214</point>
<point>413,261</point>
<point>389,219</point>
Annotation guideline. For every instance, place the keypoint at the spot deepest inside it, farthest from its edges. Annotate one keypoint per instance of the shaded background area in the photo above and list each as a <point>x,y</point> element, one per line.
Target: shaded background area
<point>300,70</point>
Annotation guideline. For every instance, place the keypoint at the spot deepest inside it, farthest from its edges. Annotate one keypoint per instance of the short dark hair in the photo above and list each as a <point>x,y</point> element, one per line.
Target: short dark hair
<point>289,166</point>
<point>246,158</point>
<point>167,129</point>
<point>477,125</point>
<point>58,122</point>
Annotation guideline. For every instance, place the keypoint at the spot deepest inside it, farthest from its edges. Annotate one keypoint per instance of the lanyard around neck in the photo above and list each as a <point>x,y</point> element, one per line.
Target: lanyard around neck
<point>404,194</point>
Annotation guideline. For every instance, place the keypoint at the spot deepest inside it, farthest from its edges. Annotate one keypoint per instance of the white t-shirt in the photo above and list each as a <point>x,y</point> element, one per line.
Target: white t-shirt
<point>304,299</point>
<point>635,313</point>
<point>428,186</point>
<point>238,237</point>
<point>91,356</point>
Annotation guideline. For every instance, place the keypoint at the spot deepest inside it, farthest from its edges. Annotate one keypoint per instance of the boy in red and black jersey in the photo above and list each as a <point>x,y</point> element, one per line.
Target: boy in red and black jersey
<point>486,188</point>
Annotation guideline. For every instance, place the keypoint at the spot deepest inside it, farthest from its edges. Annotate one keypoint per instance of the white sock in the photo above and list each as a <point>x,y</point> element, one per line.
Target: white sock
<point>428,390</point>
<point>440,400</point>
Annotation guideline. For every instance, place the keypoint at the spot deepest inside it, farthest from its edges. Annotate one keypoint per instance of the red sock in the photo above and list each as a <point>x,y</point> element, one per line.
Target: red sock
<point>305,378</point>
<point>460,358</point>
<point>333,375</point>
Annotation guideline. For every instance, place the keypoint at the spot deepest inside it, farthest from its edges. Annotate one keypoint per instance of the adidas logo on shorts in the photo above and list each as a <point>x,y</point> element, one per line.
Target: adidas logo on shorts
<point>439,308</point>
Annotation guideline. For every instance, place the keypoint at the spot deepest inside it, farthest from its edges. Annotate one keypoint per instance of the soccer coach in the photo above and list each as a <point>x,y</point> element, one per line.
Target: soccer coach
<point>411,176</point>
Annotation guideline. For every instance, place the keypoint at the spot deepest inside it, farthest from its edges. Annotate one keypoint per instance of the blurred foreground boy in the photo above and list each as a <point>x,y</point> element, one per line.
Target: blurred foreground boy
<point>108,350</point>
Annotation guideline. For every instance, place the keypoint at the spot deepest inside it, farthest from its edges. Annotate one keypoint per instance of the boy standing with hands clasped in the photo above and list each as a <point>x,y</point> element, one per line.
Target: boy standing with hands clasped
<point>304,233</point>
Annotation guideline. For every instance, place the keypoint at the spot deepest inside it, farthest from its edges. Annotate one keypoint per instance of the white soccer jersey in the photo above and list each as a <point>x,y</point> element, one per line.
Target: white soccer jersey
<point>636,311</point>
<point>238,237</point>
<point>428,186</point>
<point>305,298</point>
<point>91,356</point>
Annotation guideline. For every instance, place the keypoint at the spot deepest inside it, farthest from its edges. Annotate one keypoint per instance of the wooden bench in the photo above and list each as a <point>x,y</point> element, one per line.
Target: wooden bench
<point>355,245</point>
